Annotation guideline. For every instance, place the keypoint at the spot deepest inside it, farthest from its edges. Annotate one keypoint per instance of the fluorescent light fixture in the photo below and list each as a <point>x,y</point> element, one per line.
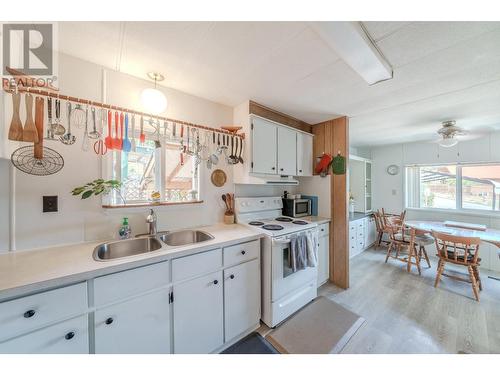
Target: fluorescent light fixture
<point>353,45</point>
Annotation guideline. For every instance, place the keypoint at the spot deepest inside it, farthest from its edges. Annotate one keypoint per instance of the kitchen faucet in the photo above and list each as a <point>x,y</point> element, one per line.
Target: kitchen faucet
<point>151,220</point>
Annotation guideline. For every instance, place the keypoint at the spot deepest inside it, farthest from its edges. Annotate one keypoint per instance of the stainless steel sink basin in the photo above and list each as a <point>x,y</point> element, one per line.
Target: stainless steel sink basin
<point>185,237</point>
<point>125,248</point>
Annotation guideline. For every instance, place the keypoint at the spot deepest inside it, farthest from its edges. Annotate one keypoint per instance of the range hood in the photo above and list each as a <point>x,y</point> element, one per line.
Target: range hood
<point>254,179</point>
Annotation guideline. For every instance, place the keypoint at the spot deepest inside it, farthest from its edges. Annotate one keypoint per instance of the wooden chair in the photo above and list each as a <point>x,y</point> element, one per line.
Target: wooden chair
<point>462,251</point>
<point>422,239</point>
<point>404,241</point>
<point>381,229</point>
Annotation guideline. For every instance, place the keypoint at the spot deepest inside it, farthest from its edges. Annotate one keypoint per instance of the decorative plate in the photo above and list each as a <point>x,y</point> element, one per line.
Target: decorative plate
<point>219,177</point>
<point>393,169</point>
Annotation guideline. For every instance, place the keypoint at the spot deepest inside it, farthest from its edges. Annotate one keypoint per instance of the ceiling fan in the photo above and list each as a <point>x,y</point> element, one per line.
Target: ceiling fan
<point>449,133</point>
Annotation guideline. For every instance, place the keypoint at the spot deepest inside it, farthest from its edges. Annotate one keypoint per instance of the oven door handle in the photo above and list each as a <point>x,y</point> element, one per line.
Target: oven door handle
<point>281,242</point>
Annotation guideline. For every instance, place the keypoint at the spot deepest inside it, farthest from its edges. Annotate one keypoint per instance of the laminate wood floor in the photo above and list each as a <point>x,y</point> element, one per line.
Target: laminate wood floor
<point>405,314</point>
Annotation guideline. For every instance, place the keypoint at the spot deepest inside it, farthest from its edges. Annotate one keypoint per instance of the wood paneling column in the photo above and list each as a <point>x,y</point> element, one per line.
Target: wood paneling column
<point>332,137</point>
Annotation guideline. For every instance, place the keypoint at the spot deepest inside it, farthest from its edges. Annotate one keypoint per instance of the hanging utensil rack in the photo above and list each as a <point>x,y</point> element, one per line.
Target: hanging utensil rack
<point>73,99</point>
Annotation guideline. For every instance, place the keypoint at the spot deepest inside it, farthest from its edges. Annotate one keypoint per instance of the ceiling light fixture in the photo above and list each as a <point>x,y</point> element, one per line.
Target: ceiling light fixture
<point>153,100</point>
<point>353,45</point>
<point>448,141</point>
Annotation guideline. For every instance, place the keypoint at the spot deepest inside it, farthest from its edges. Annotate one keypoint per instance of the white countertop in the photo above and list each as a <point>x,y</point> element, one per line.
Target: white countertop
<point>315,219</point>
<point>25,272</point>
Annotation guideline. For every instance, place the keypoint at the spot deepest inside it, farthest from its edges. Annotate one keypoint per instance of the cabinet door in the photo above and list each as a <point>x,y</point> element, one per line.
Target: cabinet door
<point>139,325</point>
<point>264,146</point>
<point>241,298</point>
<point>370,231</point>
<point>304,154</point>
<point>198,314</point>
<point>287,151</point>
<point>323,259</point>
<point>68,337</point>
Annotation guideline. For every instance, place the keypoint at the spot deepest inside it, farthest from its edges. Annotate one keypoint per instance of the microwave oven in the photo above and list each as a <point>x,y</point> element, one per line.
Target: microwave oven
<point>296,207</point>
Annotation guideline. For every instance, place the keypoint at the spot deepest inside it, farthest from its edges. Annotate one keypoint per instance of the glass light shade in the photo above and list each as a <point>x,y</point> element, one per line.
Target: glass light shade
<point>153,101</point>
<point>448,142</point>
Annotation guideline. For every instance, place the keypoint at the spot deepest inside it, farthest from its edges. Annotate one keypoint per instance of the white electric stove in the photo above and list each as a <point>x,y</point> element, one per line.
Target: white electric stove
<point>283,291</point>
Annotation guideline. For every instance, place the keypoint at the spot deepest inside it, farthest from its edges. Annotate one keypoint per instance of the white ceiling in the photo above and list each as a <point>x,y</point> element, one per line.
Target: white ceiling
<point>442,70</point>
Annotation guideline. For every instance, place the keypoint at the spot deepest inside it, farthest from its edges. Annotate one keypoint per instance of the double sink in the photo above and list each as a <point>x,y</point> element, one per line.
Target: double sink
<point>147,243</point>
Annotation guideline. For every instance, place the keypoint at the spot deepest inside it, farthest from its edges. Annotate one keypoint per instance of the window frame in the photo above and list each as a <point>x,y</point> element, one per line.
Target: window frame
<point>111,168</point>
<point>458,198</point>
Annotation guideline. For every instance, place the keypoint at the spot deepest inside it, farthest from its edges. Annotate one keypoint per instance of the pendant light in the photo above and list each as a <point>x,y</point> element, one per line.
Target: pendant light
<point>153,100</point>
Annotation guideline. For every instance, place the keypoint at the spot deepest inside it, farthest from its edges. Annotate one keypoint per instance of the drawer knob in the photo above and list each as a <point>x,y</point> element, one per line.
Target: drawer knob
<point>322,229</point>
<point>69,335</point>
<point>109,321</point>
<point>216,282</point>
<point>29,313</point>
<point>243,252</point>
<point>231,277</point>
<point>273,168</point>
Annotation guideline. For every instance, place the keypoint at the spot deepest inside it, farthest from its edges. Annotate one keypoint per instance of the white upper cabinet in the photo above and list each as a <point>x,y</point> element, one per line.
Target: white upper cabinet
<point>279,150</point>
<point>287,151</point>
<point>304,154</point>
<point>264,143</point>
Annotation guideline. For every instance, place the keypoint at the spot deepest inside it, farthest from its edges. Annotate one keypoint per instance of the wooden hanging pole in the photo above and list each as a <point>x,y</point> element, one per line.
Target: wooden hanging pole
<point>54,94</point>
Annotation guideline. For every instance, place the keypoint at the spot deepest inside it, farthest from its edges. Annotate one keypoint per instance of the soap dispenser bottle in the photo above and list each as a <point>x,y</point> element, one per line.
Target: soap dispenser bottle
<point>125,229</point>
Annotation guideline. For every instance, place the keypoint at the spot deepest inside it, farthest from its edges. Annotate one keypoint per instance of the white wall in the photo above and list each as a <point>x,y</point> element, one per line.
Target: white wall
<point>320,187</point>
<point>79,220</point>
<point>388,191</point>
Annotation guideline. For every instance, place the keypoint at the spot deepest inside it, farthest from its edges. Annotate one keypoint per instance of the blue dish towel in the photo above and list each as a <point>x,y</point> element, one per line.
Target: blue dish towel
<point>314,203</point>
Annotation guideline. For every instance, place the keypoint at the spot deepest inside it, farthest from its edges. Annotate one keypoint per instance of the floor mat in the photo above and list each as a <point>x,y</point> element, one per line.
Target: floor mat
<point>321,327</point>
<point>251,344</point>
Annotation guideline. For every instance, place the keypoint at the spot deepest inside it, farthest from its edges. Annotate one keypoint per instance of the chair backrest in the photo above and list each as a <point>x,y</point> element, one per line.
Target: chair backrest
<point>379,225</point>
<point>464,250</point>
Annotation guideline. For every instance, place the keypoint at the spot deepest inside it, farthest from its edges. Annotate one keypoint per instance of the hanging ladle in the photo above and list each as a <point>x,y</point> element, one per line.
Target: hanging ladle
<point>68,138</point>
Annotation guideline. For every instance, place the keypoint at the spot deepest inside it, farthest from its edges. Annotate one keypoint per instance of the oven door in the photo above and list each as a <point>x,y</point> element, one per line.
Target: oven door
<point>286,281</point>
<point>302,207</point>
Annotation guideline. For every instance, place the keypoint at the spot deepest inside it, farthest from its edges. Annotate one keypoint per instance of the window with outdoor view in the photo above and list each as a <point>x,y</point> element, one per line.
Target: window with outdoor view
<point>156,171</point>
<point>463,187</point>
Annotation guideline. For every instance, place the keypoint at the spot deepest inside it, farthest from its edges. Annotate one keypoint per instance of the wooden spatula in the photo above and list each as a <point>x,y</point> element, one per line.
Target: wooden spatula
<point>16,126</point>
<point>30,133</point>
<point>39,117</point>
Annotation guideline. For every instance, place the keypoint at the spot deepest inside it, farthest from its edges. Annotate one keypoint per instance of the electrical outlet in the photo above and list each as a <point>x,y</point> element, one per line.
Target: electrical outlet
<point>50,203</point>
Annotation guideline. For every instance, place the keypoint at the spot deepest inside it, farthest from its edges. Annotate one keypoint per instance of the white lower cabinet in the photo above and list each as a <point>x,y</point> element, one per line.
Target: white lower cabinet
<point>139,325</point>
<point>323,254</point>
<point>362,234</point>
<point>198,314</point>
<point>241,298</point>
<point>68,337</point>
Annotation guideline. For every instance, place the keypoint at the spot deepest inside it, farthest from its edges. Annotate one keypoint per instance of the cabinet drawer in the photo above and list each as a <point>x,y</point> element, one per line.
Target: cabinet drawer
<point>197,264</point>
<point>128,283</point>
<point>324,229</point>
<point>241,252</point>
<point>69,337</point>
<point>28,313</point>
<point>360,225</point>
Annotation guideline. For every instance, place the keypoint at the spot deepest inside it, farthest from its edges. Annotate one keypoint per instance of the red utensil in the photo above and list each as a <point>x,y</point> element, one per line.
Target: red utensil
<point>109,140</point>
<point>120,139</point>
<point>116,140</point>
<point>323,163</point>
<point>142,136</point>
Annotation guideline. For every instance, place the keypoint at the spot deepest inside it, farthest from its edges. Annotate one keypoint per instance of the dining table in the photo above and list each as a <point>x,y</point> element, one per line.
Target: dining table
<point>460,229</point>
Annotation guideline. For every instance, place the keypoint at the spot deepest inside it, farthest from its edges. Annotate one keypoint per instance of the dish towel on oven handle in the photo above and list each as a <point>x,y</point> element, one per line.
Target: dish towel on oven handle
<point>298,253</point>
<point>312,249</point>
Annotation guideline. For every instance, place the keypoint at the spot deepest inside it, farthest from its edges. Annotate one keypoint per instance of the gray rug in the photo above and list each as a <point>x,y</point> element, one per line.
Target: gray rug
<point>251,344</point>
<point>321,327</point>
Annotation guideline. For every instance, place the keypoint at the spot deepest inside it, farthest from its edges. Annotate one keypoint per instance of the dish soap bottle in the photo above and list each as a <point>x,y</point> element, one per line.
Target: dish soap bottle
<point>125,229</point>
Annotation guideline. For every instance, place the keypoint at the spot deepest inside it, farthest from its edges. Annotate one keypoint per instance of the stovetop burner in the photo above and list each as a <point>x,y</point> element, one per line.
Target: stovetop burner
<point>272,227</point>
<point>256,223</point>
<point>283,219</point>
<point>300,222</point>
